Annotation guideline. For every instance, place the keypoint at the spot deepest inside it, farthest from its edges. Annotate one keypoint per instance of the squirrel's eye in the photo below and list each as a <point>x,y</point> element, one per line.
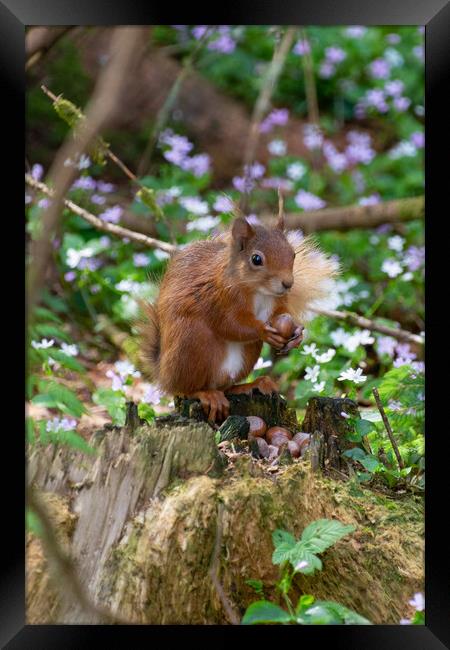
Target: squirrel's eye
<point>257,260</point>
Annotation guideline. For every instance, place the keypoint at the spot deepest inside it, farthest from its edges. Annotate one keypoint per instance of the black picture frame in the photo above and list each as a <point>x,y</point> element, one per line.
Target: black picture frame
<point>435,16</point>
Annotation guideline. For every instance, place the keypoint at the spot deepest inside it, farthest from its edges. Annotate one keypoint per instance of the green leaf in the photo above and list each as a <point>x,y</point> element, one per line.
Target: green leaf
<point>73,439</point>
<point>363,427</point>
<point>284,542</point>
<point>146,412</point>
<point>33,523</point>
<point>114,402</point>
<point>304,602</point>
<point>62,398</point>
<point>301,554</point>
<point>263,612</point>
<point>323,533</point>
<point>257,585</point>
<point>347,616</point>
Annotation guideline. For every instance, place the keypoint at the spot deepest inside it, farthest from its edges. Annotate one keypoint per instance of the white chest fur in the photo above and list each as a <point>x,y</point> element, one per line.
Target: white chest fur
<point>233,361</point>
<point>262,306</point>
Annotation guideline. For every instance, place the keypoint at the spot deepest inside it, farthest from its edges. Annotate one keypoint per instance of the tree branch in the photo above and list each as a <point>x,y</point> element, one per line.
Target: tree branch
<point>39,40</point>
<point>102,105</point>
<point>356,216</point>
<point>366,323</point>
<point>98,223</point>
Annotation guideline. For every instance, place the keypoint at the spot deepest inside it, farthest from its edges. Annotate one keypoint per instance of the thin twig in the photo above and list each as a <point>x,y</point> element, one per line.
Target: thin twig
<point>163,114</point>
<point>310,82</point>
<point>274,70</point>
<point>39,40</point>
<point>64,565</point>
<point>387,426</point>
<point>103,103</point>
<point>228,606</point>
<point>366,323</point>
<point>104,226</point>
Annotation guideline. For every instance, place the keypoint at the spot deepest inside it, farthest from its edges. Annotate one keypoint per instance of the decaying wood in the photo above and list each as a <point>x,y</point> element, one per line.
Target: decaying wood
<point>141,521</point>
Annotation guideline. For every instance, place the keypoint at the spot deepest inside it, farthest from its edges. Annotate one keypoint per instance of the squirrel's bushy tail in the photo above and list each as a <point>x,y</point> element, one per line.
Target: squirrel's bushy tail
<point>314,274</point>
<point>149,340</point>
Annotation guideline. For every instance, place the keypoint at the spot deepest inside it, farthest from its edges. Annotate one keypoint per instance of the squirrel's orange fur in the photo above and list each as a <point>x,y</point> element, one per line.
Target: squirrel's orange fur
<point>206,330</point>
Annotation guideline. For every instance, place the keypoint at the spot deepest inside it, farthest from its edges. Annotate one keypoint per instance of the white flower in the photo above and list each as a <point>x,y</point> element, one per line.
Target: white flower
<point>194,205</point>
<point>160,255</point>
<point>312,374</point>
<point>44,344</point>
<point>56,424</point>
<point>73,256</point>
<point>365,337</point>
<point>407,276</point>
<point>261,364</point>
<point>52,363</point>
<point>403,149</point>
<point>70,350</point>
<point>117,382</point>
<point>319,386</point>
<point>396,243</point>
<point>355,376</point>
<point>277,147</point>
<point>125,368</point>
<point>309,349</point>
<point>418,602</point>
<point>345,415</point>
<point>152,394</point>
<point>296,171</point>
<point>301,565</point>
<point>326,356</point>
<point>204,223</point>
<point>391,267</point>
<point>339,337</point>
<point>84,162</point>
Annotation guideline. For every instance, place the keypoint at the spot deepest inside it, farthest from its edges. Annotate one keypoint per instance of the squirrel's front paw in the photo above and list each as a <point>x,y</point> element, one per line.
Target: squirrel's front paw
<point>271,336</point>
<point>294,341</point>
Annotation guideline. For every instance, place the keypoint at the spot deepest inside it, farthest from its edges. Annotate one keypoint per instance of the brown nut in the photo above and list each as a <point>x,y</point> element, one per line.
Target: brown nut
<point>273,452</point>
<point>279,440</point>
<point>285,325</point>
<point>263,447</point>
<point>257,426</point>
<point>294,449</point>
<point>277,430</point>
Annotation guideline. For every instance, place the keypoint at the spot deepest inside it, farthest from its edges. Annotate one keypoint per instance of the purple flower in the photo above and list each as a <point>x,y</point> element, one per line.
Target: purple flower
<point>404,350</point>
<point>308,201</point>
<point>334,54</point>
<point>84,183</point>
<point>379,69</point>
<point>112,215</point>
<point>253,220</point>
<point>28,198</point>
<point>224,43</point>
<point>198,31</point>
<point>419,52</point>
<point>243,185</point>
<point>373,199</point>
<point>70,276</point>
<point>89,263</point>
<point>386,345</point>
<point>356,31</point>
<point>44,203</point>
<point>198,165</point>
<point>223,204</point>
<point>376,98</point>
<point>37,172</point>
<point>301,47</point>
<point>312,136</point>
<point>418,139</point>
<point>277,182</point>
<point>140,259</point>
<point>97,199</point>
<point>152,394</point>
<point>336,160</point>
<point>394,88</point>
<point>393,39</point>
<point>401,103</point>
<point>277,117</point>
<point>414,257</point>
<point>326,70</point>
<point>106,188</point>
<point>254,171</point>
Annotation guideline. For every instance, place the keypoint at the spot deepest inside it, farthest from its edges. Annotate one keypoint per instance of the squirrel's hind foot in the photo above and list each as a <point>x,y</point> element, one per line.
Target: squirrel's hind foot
<point>264,384</point>
<point>215,404</point>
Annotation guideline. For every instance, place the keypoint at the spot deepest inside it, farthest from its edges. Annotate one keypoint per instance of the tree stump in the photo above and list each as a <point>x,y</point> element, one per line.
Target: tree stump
<point>155,514</point>
<point>324,420</point>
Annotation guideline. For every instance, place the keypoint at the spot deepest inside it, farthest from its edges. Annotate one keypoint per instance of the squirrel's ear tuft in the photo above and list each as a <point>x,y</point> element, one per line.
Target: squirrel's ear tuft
<point>280,221</point>
<point>241,232</point>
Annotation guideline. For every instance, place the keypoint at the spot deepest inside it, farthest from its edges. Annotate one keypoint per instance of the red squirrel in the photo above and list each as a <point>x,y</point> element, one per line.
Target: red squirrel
<point>216,302</point>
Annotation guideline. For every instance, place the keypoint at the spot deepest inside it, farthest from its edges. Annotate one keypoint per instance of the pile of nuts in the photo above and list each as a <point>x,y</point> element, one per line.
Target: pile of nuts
<point>273,440</point>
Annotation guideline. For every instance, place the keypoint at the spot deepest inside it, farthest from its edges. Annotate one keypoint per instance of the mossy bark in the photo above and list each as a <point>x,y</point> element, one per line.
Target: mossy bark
<point>147,511</point>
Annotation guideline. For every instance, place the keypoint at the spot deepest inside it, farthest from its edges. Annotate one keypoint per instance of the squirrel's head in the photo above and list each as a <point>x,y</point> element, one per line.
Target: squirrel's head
<point>262,257</point>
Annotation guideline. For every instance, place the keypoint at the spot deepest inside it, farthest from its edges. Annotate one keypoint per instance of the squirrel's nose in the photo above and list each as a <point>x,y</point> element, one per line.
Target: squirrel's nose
<point>288,284</point>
